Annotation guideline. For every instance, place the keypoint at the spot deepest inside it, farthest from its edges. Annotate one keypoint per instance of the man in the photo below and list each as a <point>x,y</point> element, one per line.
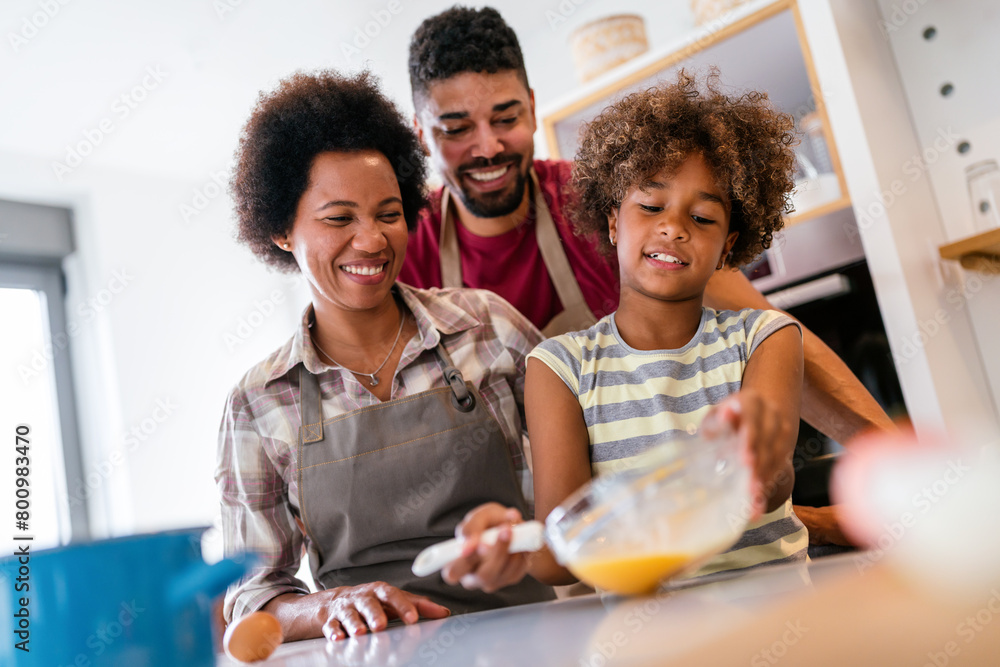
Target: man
<point>501,223</point>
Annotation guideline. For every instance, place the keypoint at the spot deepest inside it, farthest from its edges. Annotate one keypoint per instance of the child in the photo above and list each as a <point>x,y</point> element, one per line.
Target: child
<point>678,183</point>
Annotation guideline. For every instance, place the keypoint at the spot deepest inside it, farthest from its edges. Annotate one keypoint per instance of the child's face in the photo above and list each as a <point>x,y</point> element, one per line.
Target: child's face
<point>672,232</point>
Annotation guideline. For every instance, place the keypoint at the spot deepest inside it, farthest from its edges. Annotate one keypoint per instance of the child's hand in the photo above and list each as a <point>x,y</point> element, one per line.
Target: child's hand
<point>763,431</point>
<point>488,568</point>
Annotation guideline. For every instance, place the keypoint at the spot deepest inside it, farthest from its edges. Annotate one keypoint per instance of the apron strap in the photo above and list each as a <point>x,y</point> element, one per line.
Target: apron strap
<point>461,398</point>
<point>451,258</point>
<point>554,256</point>
<point>310,407</point>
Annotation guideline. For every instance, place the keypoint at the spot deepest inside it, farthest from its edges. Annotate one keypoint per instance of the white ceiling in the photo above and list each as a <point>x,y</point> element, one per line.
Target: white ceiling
<point>216,55</point>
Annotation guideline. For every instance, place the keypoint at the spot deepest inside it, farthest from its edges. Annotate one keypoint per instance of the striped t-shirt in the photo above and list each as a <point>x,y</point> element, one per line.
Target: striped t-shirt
<point>632,399</point>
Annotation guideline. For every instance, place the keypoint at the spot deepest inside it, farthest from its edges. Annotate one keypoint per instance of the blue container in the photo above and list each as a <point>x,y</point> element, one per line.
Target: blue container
<point>138,601</point>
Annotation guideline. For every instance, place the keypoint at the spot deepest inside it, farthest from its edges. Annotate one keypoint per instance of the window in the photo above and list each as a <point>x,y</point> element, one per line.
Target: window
<point>37,385</point>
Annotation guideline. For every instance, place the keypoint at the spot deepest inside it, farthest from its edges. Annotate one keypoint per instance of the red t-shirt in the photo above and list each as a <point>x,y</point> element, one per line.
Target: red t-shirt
<point>511,264</point>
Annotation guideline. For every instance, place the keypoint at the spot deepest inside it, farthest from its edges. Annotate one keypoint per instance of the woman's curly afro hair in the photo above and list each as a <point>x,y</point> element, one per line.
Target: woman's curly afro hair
<point>305,115</point>
<point>744,140</point>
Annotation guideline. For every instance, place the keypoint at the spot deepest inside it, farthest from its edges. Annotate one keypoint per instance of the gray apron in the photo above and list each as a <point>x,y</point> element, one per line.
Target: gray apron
<point>379,484</point>
<point>576,314</point>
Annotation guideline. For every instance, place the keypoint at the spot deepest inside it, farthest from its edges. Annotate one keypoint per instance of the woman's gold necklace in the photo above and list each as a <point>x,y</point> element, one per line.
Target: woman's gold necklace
<point>371,376</point>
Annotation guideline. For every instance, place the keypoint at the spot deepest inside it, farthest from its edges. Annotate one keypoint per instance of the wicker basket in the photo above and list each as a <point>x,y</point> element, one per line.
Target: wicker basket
<point>710,10</point>
<point>600,45</point>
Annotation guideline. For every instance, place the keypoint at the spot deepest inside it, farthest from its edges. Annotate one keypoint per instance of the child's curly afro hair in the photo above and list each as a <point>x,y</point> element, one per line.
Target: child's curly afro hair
<point>744,140</point>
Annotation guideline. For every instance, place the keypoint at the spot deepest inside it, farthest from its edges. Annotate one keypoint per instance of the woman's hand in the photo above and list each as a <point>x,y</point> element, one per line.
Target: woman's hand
<point>488,568</point>
<point>347,611</point>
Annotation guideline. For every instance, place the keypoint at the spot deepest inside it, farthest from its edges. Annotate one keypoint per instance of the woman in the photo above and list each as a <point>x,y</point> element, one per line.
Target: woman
<point>391,411</point>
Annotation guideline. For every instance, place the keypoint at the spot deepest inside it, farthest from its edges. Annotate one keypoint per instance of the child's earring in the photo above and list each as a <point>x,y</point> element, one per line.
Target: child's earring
<point>611,237</point>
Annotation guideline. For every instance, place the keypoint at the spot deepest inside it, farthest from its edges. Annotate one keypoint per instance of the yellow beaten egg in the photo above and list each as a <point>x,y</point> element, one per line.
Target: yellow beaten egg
<point>254,637</point>
<point>628,575</point>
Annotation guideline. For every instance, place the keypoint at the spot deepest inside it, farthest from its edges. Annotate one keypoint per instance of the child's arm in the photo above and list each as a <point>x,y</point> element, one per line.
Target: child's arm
<point>560,454</point>
<point>765,413</point>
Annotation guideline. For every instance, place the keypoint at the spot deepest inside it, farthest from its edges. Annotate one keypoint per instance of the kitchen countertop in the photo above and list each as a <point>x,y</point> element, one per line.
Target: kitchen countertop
<point>845,609</point>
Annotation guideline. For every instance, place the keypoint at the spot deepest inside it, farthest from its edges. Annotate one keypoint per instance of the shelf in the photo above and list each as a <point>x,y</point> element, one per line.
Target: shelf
<point>649,63</point>
<point>818,211</point>
<point>976,253</point>
<point>782,65</point>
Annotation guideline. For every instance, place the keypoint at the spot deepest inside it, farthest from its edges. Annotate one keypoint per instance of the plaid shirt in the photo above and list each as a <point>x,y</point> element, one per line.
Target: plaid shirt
<point>488,341</point>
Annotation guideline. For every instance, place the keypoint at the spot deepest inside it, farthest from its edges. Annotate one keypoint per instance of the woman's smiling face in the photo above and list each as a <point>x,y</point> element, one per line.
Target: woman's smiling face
<point>349,235</point>
<point>672,232</point>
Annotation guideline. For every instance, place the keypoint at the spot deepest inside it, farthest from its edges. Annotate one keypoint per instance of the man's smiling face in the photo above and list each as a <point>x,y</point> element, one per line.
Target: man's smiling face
<point>478,129</point>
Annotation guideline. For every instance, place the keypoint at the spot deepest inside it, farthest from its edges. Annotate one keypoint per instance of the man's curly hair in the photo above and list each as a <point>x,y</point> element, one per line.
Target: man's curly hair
<point>305,115</point>
<point>459,40</point>
<point>744,140</point>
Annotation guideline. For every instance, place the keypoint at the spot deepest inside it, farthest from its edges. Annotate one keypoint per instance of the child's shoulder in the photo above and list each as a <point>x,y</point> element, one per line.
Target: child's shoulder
<point>580,343</point>
<point>745,317</point>
<point>751,325</point>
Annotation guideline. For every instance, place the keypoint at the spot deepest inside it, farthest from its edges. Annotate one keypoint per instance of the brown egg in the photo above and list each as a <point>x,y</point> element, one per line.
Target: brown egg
<point>254,637</point>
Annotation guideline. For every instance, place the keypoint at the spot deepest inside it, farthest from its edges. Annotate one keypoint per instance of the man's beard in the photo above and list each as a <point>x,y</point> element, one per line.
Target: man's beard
<point>494,204</point>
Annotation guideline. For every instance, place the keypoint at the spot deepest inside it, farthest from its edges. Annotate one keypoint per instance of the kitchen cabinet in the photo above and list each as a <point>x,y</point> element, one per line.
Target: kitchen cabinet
<point>781,65</point>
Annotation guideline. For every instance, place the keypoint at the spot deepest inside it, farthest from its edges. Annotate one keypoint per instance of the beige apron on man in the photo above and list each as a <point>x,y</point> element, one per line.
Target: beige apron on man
<point>576,314</point>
